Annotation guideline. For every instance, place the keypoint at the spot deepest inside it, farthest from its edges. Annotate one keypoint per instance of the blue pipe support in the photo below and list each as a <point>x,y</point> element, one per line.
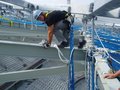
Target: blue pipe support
<point>71,64</point>
<point>92,63</point>
<point>88,77</point>
<point>93,70</point>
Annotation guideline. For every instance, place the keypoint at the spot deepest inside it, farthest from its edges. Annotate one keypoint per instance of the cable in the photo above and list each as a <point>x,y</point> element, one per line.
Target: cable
<point>71,53</point>
<point>115,60</point>
<point>61,54</point>
<point>105,49</point>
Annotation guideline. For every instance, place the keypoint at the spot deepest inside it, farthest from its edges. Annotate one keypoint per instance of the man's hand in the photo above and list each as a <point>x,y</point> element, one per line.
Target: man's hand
<point>45,43</point>
<point>112,75</point>
<point>109,76</point>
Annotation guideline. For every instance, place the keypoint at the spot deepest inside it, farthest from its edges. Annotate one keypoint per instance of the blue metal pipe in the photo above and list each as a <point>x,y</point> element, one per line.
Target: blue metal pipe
<point>71,64</point>
<point>93,70</point>
<point>92,64</point>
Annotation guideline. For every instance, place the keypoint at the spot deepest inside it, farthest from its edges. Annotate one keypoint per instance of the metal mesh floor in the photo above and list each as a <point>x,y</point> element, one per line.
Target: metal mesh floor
<point>55,82</point>
<point>49,83</point>
<point>12,63</point>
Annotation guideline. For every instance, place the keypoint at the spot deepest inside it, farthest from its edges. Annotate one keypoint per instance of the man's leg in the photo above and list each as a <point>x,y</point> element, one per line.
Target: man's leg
<point>66,34</point>
<point>62,34</point>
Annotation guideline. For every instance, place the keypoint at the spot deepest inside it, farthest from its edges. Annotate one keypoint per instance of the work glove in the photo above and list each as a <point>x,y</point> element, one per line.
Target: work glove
<point>45,43</point>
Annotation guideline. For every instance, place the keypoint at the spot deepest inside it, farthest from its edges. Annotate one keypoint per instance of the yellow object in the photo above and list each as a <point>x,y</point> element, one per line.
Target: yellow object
<point>46,14</point>
<point>1,16</point>
<point>11,23</point>
<point>7,19</point>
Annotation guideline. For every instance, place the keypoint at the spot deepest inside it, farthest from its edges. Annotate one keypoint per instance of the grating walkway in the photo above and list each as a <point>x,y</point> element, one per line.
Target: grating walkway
<point>11,63</point>
<point>49,83</point>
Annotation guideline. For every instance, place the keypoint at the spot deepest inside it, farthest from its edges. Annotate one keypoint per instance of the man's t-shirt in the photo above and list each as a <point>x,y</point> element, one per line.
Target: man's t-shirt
<point>55,17</point>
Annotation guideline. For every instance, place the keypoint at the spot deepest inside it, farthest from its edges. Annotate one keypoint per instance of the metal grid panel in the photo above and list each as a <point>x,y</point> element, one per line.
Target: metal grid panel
<point>11,63</point>
<point>54,82</point>
<point>50,83</point>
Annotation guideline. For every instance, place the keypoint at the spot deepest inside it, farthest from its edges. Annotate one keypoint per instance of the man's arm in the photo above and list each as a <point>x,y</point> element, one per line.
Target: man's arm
<point>117,73</point>
<point>112,75</point>
<point>50,33</point>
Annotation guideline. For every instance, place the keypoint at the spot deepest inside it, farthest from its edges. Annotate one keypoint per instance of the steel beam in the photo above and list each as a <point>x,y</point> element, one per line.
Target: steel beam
<point>36,50</point>
<point>104,20</point>
<point>17,2</point>
<point>3,4</point>
<point>40,32</point>
<point>12,31</point>
<point>103,6</point>
<point>37,73</point>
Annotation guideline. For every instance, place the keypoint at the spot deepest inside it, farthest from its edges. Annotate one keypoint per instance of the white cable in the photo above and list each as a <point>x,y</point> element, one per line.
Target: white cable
<point>71,53</point>
<point>115,60</point>
<point>61,54</point>
<point>105,49</point>
<point>101,43</point>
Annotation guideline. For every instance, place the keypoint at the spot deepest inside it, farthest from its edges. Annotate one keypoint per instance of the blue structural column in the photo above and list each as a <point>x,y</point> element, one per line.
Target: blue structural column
<point>93,70</point>
<point>93,62</point>
<point>88,71</point>
<point>71,64</point>
<point>88,60</point>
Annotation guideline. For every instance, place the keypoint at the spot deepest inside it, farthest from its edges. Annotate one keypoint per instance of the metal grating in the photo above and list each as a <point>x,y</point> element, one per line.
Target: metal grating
<point>54,82</point>
<point>50,83</point>
<point>11,63</point>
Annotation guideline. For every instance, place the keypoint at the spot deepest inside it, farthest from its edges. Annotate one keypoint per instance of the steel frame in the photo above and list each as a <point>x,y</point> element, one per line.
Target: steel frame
<point>36,50</point>
<point>37,73</point>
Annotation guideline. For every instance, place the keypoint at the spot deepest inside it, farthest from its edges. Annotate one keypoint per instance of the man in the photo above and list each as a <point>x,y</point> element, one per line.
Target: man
<point>58,24</point>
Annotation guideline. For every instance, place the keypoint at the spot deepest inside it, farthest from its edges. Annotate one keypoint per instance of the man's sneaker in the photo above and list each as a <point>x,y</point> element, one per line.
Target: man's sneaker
<point>63,44</point>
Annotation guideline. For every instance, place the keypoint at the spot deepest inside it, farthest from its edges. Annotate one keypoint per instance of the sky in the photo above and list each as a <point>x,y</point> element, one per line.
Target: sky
<point>80,6</point>
<point>59,1</point>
